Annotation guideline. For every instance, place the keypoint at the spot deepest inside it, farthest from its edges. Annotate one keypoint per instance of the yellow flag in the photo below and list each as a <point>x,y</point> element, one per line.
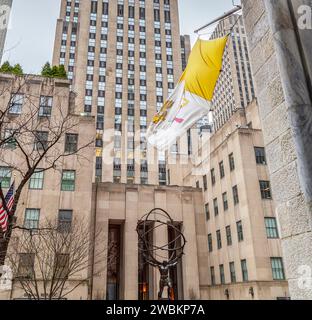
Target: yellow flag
<point>191,99</point>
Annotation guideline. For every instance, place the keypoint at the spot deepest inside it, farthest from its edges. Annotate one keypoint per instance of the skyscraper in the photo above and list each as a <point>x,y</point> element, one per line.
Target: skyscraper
<point>5,9</point>
<point>124,58</point>
<point>235,87</point>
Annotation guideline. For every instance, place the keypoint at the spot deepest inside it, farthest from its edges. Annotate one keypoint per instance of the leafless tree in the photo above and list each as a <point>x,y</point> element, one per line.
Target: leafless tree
<point>32,135</point>
<point>51,262</point>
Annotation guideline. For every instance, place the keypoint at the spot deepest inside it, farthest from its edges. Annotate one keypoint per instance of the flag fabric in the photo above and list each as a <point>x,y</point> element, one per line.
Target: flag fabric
<point>9,200</point>
<point>191,99</point>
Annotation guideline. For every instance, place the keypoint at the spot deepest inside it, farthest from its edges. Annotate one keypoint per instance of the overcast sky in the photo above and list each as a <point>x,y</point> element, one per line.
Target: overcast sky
<point>32,27</point>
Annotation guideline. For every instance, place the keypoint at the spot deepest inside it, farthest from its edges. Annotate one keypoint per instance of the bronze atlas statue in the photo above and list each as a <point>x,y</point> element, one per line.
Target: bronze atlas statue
<point>164,254</point>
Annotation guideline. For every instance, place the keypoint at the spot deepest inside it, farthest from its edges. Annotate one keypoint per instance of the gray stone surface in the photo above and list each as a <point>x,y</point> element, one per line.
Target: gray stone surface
<point>286,116</point>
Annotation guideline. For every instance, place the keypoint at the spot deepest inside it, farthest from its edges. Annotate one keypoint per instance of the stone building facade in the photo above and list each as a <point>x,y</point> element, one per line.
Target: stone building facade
<point>245,259</point>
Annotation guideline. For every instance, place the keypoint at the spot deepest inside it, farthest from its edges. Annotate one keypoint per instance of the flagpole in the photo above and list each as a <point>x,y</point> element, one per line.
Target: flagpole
<point>225,15</point>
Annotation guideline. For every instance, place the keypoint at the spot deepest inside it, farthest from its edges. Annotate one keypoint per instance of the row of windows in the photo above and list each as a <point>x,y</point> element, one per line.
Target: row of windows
<point>37,179</point>
<point>17,101</point>
<point>276,266</point>
<point>260,159</point>
<point>270,226</point>
<point>225,203</point>
<point>240,236</point>
<point>41,141</point>
<point>32,217</point>
<point>265,190</point>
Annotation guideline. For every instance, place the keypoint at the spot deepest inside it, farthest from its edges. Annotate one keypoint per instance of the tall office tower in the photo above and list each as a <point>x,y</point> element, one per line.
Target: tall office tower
<point>235,87</point>
<point>5,9</point>
<point>124,58</point>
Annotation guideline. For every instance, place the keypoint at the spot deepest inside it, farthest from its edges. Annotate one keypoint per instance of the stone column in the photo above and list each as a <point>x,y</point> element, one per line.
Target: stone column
<point>130,266</point>
<point>282,77</point>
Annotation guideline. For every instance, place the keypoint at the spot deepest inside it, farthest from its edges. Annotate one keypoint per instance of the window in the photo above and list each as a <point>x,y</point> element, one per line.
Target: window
<point>68,181</point>
<point>232,272</point>
<point>225,201</point>
<point>41,140</point>
<point>219,240</point>
<point>207,211</point>
<point>228,235</point>
<point>231,162</point>
<point>71,142</point>
<point>45,108</point>
<point>222,276</point>
<point>260,155</point>
<point>265,189</point>
<point>61,265</point>
<point>5,177</point>
<point>64,220</point>
<point>244,270</point>
<point>213,176</point>
<point>16,104</point>
<point>222,172</point>
<point>277,269</point>
<point>213,277</point>
<point>26,265</point>
<point>210,248</point>
<point>215,206</point>
<point>36,180</point>
<point>235,195</point>
<point>205,182</point>
<point>31,220</point>
<point>240,234</point>
<point>271,228</point>
<point>197,185</point>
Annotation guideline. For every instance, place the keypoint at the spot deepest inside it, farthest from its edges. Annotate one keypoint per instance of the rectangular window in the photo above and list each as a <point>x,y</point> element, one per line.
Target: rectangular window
<point>31,220</point>
<point>45,108</point>
<point>231,162</point>
<point>212,275</point>
<point>26,265</point>
<point>207,212</point>
<point>219,240</point>
<point>228,235</point>
<point>240,234</point>
<point>41,140</point>
<point>213,176</point>
<point>260,156</point>
<point>244,270</point>
<point>225,201</point>
<point>222,276</point>
<point>215,206</point>
<point>68,180</point>
<point>205,182</point>
<point>271,228</point>
<point>210,248</point>
<point>265,189</point>
<point>71,142</point>
<point>222,172</point>
<point>16,104</point>
<point>65,220</point>
<point>5,177</point>
<point>232,272</point>
<point>61,266</point>
<point>277,269</point>
<point>36,180</point>
<point>235,195</point>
